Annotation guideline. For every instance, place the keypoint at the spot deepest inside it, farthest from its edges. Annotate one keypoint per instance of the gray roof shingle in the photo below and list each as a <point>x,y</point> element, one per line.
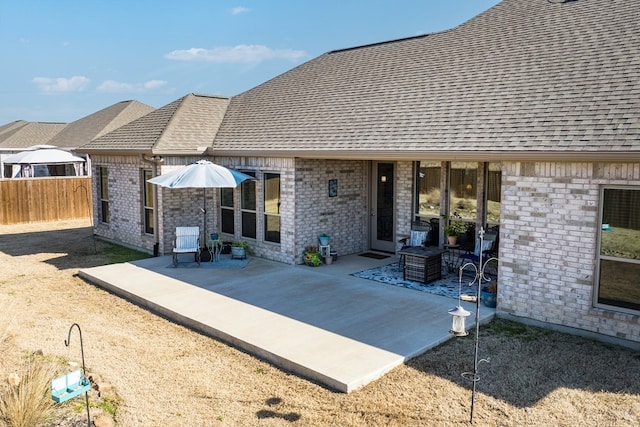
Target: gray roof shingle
<point>21,134</point>
<point>82,131</point>
<point>184,126</point>
<point>523,78</point>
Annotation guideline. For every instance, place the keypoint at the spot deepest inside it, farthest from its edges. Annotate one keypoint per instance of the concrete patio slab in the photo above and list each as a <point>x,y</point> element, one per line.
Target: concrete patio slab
<point>319,323</point>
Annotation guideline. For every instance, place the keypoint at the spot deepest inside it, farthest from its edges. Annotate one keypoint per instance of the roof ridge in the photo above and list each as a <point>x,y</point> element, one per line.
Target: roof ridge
<point>205,95</point>
<point>346,49</point>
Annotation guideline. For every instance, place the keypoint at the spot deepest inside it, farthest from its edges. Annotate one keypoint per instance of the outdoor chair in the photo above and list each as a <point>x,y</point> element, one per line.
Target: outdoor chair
<point>487,249</point>
<point>187,241</point>
<point>419,237</point>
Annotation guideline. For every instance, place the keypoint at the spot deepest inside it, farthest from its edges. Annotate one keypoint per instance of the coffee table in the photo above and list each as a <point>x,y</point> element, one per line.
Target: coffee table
<point>422,264</point>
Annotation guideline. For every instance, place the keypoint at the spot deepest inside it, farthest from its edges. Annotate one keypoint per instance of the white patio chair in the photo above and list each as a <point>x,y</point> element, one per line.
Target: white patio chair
<point>187,241</point>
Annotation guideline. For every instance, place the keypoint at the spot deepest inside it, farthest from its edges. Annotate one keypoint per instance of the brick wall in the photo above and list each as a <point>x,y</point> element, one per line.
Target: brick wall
<point>548,242</point>
<point>404,196</point>
<point>343,217</point>
<point>125,205</point>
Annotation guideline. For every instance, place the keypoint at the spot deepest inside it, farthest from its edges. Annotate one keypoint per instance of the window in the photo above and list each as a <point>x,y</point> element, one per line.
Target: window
<point>428,189</point>
<point>104,194</point>
<point>227,223</point>
<point>494,193</point>
<point>619,256</point>
<point>147,202</point>
<point>272,207</point>
<point>463,202</point>
<point>248,207</point>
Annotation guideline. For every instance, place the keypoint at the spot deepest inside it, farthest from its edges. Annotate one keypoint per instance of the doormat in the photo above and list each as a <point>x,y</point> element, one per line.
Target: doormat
<point>374,255</point>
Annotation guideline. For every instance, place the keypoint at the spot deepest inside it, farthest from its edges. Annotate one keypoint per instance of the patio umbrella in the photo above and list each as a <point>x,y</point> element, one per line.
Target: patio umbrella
<point>202,174</point>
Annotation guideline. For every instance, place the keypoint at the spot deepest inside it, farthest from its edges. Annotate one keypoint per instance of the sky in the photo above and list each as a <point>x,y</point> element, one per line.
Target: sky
<point>66,59</point>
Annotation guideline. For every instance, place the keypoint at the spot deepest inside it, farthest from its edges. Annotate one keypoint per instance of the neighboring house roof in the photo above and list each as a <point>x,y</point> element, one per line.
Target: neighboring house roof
<point>525,79</point>
<point>21,134</point>
<point>82,131</point>
<point>185,126</point>
<point>13,126</point>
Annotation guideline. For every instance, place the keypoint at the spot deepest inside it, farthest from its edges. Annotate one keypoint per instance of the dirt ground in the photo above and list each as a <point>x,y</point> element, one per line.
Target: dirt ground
<point>166,375</point>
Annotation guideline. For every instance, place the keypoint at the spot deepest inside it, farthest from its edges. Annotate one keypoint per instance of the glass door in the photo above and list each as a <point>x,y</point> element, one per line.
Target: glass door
<point>383,207</point>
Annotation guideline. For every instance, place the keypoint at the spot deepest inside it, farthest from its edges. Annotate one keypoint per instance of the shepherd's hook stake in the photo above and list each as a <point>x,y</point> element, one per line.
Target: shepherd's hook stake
<point>84,371</point>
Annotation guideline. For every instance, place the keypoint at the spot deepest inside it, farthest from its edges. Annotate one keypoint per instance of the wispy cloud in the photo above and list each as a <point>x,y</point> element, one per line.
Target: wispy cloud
<point>236,54</point>
<point>239,9</point>
<point>114,86</point>
<point>61,84</point>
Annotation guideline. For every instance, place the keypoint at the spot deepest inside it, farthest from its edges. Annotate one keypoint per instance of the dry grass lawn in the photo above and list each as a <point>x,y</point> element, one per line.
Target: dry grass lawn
<point>166,375</point>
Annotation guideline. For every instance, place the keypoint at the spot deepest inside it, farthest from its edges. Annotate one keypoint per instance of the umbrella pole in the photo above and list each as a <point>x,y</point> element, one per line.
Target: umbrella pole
<point>204,213</point>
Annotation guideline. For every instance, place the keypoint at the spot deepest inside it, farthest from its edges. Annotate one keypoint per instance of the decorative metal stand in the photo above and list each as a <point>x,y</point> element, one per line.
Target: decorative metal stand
<point>74,383</point>
<point>460,313</point>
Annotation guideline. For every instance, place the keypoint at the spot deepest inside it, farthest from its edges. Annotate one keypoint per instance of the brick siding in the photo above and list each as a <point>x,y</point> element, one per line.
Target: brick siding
<point>548,241</point>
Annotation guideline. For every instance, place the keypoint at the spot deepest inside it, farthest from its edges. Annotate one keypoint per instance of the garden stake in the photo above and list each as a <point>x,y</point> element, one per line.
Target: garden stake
<point>84,371</point>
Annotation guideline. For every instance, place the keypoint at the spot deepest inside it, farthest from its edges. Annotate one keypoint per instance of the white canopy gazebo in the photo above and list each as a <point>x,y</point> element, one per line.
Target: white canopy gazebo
<point>43,160</point>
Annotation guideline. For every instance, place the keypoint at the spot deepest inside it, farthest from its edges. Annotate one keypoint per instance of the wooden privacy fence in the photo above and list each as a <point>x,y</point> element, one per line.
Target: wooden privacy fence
<point>44,199</point>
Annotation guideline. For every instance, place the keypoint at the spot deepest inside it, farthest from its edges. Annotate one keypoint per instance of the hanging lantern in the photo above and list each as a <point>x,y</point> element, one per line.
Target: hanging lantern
<point>457,327</point>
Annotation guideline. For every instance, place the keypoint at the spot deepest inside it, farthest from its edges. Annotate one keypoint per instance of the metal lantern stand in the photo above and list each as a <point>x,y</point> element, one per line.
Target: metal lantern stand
<point>459,314</point>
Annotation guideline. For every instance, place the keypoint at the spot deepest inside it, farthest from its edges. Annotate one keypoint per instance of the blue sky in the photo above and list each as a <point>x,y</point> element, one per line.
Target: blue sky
<point>63,60</point>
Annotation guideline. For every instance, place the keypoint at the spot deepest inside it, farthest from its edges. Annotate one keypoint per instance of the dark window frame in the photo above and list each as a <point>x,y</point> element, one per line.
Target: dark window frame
<point>148,208</point>
<point>271,212</point>
<point>249,207</point>
<point>103,191</point>
<point>616,285</point>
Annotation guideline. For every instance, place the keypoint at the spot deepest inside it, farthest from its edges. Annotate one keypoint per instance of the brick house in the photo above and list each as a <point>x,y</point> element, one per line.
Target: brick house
<point>526,117</point>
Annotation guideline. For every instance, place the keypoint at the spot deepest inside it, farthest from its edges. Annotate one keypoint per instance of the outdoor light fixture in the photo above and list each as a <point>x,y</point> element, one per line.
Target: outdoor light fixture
<point>459,315</point>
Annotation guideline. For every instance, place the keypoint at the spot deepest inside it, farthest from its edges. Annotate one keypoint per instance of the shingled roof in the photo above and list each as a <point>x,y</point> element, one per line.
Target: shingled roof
<point>21,134</point>
<point>182,127</point>
<point>82,131</point>
<point>526,79</point>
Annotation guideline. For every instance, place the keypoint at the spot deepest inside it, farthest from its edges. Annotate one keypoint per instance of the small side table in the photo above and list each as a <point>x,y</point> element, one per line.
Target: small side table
<point>325,250</point>
<point>215,249</point>
<point>452,257</point>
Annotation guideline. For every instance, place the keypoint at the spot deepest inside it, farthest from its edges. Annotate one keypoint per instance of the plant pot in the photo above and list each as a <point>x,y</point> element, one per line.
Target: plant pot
<point>238,252</point>
<point>205,256</point>
<point>312,259</point>
<point>488,298</point>
<point>452,240</point>
<point>324,240</point>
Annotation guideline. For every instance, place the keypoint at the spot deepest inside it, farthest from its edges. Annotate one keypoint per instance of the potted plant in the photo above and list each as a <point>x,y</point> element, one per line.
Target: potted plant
<point>239,249</point>
<point>312,257</point>
<point>453,230</point>
<point>489,293</point>
<point>324,239</point>
<point>226,247</point>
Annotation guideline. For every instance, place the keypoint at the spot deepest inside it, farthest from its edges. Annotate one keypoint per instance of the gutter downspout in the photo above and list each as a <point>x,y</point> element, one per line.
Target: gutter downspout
<point>154,162</point>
